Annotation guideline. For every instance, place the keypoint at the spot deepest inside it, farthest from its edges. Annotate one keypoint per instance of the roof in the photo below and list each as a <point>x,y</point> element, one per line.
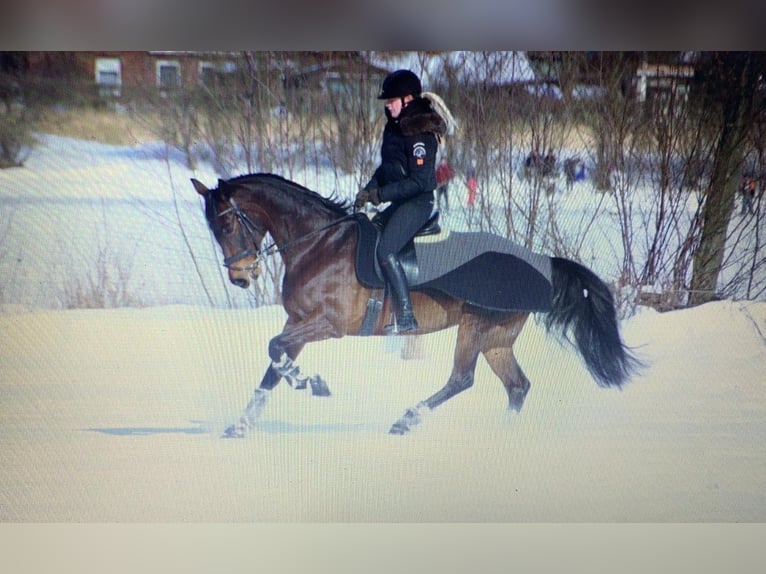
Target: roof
<point>496,68</point>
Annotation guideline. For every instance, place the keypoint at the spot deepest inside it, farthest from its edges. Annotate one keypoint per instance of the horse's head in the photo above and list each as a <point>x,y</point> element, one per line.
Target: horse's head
<point>238,234</point>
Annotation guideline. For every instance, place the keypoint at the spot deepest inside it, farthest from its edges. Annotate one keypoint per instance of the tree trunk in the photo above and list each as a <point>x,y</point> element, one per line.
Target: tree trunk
<point>716,214</point>
<point>735,81</point>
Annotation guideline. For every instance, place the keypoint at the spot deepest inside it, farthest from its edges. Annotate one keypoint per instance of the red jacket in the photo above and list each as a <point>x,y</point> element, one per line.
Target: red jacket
<point>444,173</point>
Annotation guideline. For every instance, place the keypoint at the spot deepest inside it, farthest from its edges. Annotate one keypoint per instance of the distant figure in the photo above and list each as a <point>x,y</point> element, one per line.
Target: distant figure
<point>549,164</point>
<point>533,159</point>
<point>570,171</point>
<point>747,189</point>
<point>473,186</point>
<point>580,175</point>
<point>532,163</point>
<point>574,170</point>
<point>444,173</point>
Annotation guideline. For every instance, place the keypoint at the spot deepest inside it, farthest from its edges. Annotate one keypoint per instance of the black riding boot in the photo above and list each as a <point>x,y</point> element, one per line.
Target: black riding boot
<point>397,281</point>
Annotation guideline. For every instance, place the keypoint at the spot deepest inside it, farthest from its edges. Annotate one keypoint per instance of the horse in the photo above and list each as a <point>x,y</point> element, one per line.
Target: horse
<point>318,239</point>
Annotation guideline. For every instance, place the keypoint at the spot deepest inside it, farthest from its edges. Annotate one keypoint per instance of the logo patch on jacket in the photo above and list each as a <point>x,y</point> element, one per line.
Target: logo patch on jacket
<point>419,152</point>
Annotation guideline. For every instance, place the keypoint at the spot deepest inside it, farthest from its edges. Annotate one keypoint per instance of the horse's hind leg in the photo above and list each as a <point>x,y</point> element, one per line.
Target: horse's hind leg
<point>498,351</point>
<point>492,335</point>
<point>470,337</point>
<point>504,364</point>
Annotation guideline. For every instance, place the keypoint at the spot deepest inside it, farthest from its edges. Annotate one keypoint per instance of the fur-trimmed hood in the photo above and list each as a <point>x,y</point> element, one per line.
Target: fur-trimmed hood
<point>419,116</point>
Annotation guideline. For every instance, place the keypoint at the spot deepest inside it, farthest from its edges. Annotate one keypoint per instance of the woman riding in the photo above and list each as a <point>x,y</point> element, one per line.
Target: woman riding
<point>406,178</point>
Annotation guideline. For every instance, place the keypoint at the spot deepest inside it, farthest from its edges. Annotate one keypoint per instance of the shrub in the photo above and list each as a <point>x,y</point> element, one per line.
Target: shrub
<point>16,119</point>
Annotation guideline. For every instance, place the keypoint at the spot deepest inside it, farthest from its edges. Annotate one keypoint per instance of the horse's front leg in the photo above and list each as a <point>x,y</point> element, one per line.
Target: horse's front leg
<point>283,362</point>
<point>255,406</point>
<point>283,350</point>
<point>260,397</point>
<point>287,368</point>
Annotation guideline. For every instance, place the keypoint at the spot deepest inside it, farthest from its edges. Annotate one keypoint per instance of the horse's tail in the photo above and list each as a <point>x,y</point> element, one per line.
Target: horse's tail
<point>583,306</point>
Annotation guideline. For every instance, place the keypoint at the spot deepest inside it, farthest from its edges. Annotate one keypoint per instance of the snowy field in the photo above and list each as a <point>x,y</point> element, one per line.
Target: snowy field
<point>114,415</point>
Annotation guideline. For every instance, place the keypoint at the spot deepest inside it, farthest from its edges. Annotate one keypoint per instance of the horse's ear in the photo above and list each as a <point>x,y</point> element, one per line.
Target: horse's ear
<point>200,187</point>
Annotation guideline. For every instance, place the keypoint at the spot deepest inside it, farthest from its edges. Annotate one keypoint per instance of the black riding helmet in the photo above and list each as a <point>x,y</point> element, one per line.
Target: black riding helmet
<point>399,84</point>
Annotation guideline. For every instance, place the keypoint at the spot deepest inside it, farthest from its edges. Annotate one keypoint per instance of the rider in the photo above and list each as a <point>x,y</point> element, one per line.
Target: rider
<point>405,178</point>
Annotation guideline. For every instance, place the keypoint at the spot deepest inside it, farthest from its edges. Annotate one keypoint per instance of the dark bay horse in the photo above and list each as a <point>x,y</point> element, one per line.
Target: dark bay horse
<point>317,240</point>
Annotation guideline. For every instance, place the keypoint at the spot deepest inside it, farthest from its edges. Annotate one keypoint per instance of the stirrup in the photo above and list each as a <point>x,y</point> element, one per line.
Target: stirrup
<point>408,326</point>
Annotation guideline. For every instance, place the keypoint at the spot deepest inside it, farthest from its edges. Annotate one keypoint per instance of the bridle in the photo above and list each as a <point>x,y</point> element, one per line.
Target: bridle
<point>250,229</point>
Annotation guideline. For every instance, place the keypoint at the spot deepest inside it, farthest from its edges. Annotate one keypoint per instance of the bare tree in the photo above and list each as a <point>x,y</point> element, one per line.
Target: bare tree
<point>674,149</point>
<point>17,114</point>
<point>105,281</point>
<point>666,169</point>
<point>732,82</point>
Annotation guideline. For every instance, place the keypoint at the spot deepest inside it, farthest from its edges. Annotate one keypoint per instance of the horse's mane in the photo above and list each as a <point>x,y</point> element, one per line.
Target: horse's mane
<point>332,203</point>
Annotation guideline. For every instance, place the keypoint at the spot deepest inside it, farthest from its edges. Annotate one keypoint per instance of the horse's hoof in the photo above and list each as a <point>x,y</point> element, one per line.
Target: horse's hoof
<point>399,429</point>
<point>411,418</point>
<point>319,387</point>
<point>297,384</point>
<point>516,399</point>
<point>234,431</point>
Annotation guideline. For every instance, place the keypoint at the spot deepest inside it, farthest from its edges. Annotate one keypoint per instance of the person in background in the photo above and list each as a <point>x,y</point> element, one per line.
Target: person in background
<point>580,175</point>
<point>533,159</point>
<point>570,171</point>
<point>532,164</point>
<point>747,189</point>
<point>549,164</point>
<point>473,186</point>
<point>406,177</point>
<point>444,173</point>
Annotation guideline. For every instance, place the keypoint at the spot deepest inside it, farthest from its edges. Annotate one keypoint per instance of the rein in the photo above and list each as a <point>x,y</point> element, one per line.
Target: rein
<point>250,228</point>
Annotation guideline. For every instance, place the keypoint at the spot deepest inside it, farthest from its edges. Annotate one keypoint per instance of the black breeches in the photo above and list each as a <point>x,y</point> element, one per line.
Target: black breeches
<point>402,222</point>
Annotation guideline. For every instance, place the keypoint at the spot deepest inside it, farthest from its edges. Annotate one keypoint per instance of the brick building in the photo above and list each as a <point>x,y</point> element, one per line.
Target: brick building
<point>115,71</point>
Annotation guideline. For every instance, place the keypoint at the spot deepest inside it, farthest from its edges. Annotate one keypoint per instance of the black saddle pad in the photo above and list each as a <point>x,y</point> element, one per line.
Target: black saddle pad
<point>480,268</point>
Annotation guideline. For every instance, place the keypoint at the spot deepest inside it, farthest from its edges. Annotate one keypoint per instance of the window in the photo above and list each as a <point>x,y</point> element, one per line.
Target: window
<point>210,73</point>
<point>108,76</point>
<point>168,74</point>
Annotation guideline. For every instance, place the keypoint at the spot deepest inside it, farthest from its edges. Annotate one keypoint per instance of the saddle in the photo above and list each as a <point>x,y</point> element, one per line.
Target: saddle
<point>370,236</point>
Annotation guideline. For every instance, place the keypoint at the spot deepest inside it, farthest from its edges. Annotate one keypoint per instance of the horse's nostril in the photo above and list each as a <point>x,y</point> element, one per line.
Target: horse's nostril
<point>244,283</point>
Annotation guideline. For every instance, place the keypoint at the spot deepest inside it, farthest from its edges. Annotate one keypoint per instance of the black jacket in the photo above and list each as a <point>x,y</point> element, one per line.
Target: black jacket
<point>408,153</point>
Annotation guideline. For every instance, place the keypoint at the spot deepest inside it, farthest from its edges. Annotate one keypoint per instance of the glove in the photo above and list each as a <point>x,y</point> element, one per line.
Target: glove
<point>366,196</point>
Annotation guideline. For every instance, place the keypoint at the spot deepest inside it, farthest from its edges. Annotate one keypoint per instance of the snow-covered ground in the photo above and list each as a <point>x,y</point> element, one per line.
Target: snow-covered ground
<point>115,414</point>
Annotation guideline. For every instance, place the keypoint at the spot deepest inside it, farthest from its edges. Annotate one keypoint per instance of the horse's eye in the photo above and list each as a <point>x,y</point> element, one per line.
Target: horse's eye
<point>228,228</point>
